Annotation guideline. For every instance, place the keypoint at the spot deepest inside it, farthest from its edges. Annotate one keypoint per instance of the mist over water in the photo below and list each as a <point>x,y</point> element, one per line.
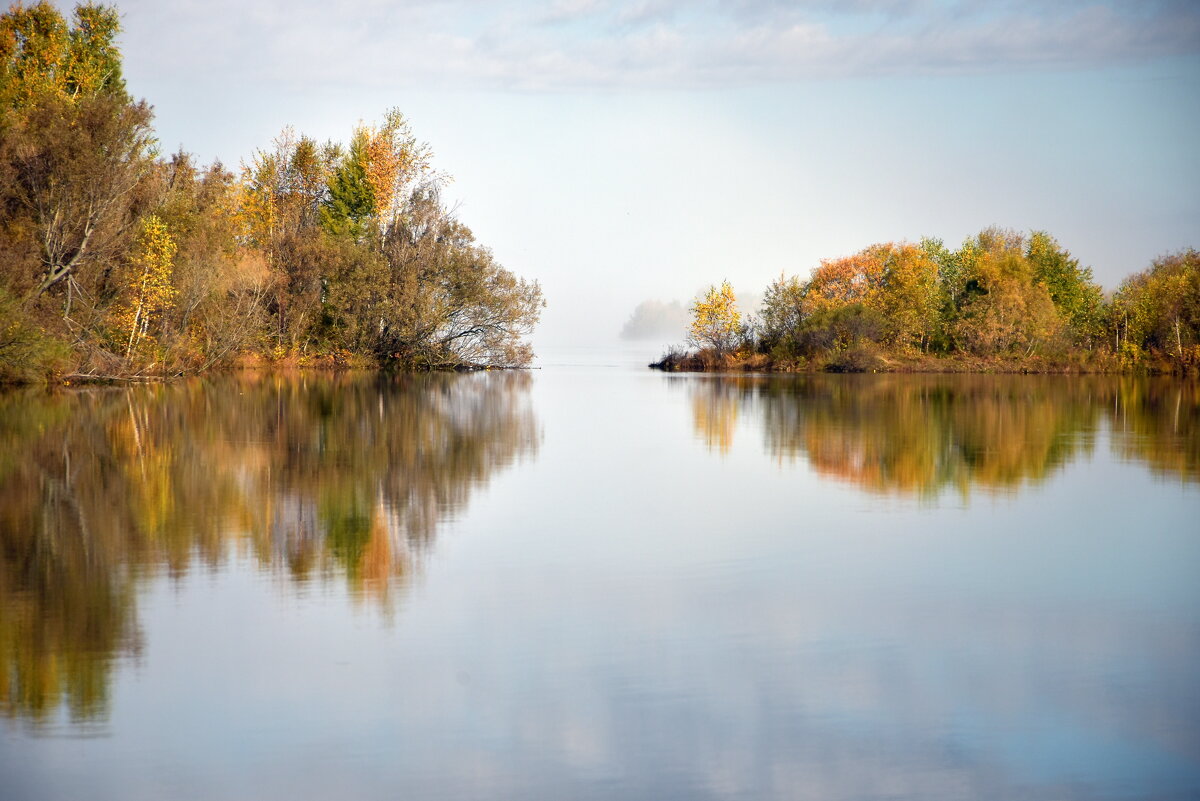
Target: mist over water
<point>596,581</point>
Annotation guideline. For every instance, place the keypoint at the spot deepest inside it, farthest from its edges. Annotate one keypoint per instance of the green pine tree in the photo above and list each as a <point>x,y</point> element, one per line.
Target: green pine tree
<point>350,207</point>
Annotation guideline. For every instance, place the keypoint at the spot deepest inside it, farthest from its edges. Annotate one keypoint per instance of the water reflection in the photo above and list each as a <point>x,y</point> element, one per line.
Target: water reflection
<point>920,435</point>
<point>315,476</point>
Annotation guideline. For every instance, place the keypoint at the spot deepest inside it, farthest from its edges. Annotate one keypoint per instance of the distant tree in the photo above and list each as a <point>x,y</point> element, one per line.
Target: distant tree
<point>654,319</point>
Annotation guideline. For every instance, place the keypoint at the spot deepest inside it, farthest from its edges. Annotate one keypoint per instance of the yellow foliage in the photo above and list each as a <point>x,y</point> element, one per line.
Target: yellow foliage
<point>394,159</point>
<point>148,291</point>
<point>255,211</point>
<point>716,321</point>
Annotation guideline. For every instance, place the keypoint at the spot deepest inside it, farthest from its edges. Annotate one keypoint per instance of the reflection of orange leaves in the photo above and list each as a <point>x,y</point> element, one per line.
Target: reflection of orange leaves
<point>375,567</point>
<point>921,435</point>
<point>386,556</point>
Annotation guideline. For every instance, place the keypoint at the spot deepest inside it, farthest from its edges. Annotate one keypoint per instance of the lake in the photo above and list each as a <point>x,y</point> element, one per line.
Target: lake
<point>592,580</point>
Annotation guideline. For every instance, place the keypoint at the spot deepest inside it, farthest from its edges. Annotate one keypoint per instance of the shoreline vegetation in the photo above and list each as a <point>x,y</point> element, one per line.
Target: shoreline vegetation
<point>117,263</point>
<point>1004,302</point>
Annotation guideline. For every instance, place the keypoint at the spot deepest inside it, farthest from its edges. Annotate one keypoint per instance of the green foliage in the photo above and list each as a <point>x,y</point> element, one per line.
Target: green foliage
<point>350,207</point>
<point>1076,296</point>
<point>781,318</point>
<point>27,353</point>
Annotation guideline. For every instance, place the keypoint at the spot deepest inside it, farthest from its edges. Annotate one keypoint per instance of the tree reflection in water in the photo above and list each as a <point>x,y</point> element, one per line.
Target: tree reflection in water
<point>920,434</point>
<point>318,475</point>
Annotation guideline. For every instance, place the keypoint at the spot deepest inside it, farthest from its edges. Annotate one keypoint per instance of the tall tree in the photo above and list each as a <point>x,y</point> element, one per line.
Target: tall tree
<point>350,206</point>
<point>40,54</point>
<point>150,292</point>
<point>78,168</point>
<point>75,147</point>
<point>1076,296</point>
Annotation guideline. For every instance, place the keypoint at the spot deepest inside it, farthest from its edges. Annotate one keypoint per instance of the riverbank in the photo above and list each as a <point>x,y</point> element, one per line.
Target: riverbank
<point>336,363</point>
<point>863,360</point>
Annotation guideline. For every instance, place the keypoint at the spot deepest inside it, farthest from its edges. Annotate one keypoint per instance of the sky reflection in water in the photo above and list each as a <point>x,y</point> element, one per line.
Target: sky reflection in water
<point>593,582</point>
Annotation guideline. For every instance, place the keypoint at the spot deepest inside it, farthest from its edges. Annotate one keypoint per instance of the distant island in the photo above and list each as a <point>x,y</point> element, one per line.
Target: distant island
<point>117,263</point>
<point>1002,302</point>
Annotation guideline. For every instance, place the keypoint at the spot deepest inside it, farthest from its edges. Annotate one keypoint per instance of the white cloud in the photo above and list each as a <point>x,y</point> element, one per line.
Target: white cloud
<point>571,10</point>
<point>646,44</point>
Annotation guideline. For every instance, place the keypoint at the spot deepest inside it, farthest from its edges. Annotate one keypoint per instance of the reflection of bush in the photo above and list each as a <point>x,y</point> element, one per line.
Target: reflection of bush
<point>921,434</point>
<point>346,475</point>
<point>1158,422</point>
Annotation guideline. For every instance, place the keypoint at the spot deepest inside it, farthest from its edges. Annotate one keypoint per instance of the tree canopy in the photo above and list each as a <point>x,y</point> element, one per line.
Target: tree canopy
<point>116,261</point>
<point>1002,299</point>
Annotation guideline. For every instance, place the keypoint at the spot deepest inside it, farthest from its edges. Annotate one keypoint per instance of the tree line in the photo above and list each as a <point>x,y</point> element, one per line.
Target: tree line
<point>1002,300</point>
<point>116,261</point>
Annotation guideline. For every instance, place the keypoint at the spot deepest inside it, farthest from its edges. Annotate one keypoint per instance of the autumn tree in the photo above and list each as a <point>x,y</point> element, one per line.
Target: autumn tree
<point>1002,310</point>
<point>716,321</point>
<point>42,56</point>
<point>448,301</point>
<point>910,296</point>
<point>1076,296</point>
<point>74,145</point>
<point>1158,311</point>
<point>78,168</point>
<point>149,292</point>
<point>394,163</point>
<point>118,256</point>
<point>222,286</point>
<point>894,287</point>
<point>851,279</point>
<point>782,317</point>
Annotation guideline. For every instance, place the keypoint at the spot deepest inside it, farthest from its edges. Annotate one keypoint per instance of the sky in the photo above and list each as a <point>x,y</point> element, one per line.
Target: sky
<point>620,152</point>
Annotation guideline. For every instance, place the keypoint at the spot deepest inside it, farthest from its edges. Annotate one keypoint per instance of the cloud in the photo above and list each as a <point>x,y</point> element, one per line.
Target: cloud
<point>592,44</point>
<point>572,10</point>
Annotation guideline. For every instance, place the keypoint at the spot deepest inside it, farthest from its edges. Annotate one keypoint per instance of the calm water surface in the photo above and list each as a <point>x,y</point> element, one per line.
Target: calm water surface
<point>595,581</point>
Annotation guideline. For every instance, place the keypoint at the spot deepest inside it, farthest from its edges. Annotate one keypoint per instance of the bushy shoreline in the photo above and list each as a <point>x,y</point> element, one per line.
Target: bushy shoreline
<point>709,361</point>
